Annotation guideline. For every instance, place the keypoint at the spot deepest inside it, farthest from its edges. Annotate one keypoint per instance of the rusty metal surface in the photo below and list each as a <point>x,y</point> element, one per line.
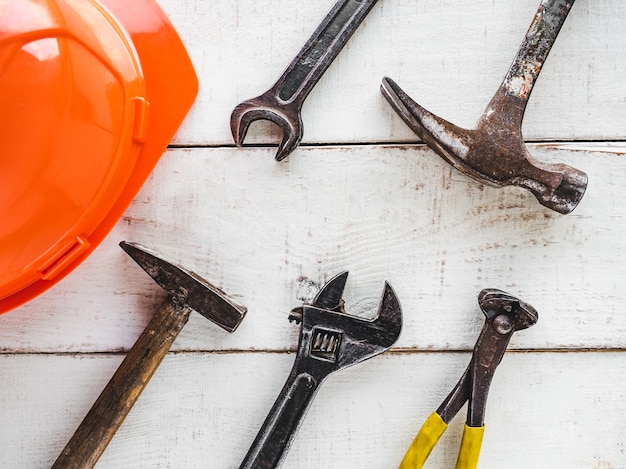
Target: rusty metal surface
<point>199,294</point>
<point>494,152</point>
<point>186,291</point>
<point>282,103</point>
<point>504,315</point>
<point>329,341</point>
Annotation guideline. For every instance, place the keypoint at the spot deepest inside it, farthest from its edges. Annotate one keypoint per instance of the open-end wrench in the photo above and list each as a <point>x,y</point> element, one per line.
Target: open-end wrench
<point>329,340</point>
<point>494,152</point>
<point>282,104</point>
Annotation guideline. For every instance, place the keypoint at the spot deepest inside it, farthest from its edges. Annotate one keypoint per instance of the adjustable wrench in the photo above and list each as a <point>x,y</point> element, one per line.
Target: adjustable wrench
<point>329,340</point>
<point>282,104</point>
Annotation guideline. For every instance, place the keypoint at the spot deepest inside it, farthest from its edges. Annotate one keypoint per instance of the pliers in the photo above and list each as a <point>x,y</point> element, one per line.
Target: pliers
<point>504,315</point>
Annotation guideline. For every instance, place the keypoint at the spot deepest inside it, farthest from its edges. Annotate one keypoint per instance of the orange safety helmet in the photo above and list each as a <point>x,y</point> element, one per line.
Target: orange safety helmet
<point>91,93</point>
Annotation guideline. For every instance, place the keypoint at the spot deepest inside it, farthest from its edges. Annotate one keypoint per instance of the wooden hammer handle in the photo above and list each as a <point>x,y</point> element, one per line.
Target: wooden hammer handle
<point>118,397</point>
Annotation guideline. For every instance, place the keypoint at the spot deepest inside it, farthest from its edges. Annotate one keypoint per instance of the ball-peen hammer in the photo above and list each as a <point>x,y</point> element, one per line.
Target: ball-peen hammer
<point>187,291</point>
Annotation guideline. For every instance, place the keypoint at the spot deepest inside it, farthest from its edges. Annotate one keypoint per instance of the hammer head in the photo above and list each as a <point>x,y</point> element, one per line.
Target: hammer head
<point>340,340</point>
<point>494,153</point>
<point>200,295</point>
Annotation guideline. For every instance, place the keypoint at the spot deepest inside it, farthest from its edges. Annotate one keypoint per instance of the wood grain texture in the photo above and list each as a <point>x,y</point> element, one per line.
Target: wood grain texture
<point>203,410</point>
<point>264,231</point>
<point>450,56</point>
<point>361,195</point>
<point>108,412</point>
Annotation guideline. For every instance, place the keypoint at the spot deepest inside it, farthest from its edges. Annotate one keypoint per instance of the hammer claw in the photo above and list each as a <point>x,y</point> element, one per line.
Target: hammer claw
<point>494,152</point>
<point>447,139</point>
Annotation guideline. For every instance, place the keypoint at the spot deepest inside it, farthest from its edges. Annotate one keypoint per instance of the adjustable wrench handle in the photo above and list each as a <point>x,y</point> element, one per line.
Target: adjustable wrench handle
<point>320,50</point>
<point>544,29</point>
<point>282,423</point>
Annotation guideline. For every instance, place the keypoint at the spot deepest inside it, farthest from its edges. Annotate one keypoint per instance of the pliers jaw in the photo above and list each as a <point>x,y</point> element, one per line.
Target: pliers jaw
<point>504,315</point>
<point>498,304</point>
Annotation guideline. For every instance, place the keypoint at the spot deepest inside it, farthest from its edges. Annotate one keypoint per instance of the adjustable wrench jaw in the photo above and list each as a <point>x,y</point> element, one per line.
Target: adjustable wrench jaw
<point>331,340</point>
<point>330,295</point>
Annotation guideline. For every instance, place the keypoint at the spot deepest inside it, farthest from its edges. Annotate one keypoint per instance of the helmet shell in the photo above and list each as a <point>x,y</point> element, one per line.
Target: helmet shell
<point>86,116</point>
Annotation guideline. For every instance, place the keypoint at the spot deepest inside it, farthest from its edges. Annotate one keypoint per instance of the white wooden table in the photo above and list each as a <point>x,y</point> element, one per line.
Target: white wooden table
<point>361,194</point>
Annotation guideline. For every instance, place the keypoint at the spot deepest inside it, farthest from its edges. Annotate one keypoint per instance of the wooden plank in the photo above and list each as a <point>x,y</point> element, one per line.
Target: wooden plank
<point>269,233</point>
<point>450,56</point>
<point>263,231</point>
<point>557,410</point>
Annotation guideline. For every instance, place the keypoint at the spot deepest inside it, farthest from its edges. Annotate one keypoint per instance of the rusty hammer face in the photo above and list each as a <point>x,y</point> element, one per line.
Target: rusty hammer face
<point>494,152</point>
<point>187,291</point>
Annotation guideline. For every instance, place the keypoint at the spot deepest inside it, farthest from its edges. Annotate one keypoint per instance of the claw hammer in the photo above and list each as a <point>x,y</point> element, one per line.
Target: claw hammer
<point>494,152</point>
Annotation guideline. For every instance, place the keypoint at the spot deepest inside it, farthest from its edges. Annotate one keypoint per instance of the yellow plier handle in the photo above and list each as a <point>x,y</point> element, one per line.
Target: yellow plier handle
<point>424,442</point>
<point>429,435</point>
<point>470,447</point>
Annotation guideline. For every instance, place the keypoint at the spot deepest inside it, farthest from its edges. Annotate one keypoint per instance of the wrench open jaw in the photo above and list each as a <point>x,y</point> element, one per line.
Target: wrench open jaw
<point>330,340</point>
<point>282,103</point>
<point>268,107</point>
<point>494,152</point>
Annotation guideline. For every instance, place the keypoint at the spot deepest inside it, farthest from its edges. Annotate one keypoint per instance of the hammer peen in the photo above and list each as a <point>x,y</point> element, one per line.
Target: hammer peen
<point>495,152</point>
<point>187,291</point>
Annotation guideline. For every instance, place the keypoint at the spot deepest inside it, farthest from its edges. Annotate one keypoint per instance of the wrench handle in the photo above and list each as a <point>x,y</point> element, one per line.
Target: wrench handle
<point>118,397</point>
<point>544,29</point>
<point>282,423</point>
<point>320,50</point>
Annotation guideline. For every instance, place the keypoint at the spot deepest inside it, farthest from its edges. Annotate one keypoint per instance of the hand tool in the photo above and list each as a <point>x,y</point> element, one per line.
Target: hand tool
<point>187,291</point>
<point>329,340</point>
<point>89,112</point>
<point>504,315</point>
<point>282,103</point>
<point>494,152</point>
